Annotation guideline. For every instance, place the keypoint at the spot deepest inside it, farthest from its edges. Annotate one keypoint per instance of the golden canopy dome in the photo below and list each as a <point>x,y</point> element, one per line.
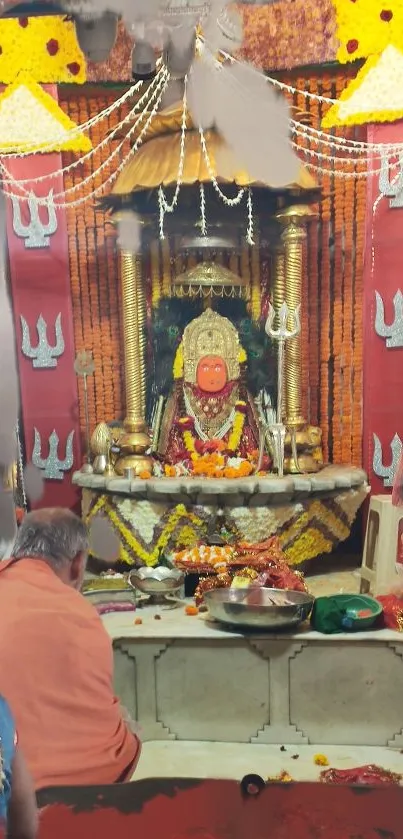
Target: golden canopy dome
<point>157,160</point>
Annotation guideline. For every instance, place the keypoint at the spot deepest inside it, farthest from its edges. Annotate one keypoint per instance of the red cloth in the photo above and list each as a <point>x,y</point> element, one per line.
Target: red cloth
<point>392,617</point>
<point>56,666</point>
<point>362,776</point>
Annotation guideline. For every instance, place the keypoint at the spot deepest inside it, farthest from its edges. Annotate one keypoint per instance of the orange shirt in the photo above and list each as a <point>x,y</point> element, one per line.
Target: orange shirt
<point>56,671</point>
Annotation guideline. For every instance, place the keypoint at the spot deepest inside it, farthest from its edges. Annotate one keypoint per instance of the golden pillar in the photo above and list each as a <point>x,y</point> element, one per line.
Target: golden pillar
<point>293,239</point>
<point>279,289</point>
<point>302,440</point>
<point>135,441</point>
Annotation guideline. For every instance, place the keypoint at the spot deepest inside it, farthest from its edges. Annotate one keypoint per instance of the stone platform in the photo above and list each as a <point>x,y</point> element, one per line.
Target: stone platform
<point>183,678</point>
<point>311,514</point>
<point>269,489</point>
<point>232,761</point>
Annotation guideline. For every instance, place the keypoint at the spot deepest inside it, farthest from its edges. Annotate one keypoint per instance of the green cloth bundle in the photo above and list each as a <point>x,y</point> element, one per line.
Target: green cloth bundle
<point>328,615</point>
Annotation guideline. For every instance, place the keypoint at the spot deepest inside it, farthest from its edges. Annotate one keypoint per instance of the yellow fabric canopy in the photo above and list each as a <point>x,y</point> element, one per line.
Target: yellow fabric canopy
<point>157,161</point>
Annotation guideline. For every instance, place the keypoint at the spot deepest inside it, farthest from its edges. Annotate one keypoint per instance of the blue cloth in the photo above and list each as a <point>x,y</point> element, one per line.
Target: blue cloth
<point>7,749</point>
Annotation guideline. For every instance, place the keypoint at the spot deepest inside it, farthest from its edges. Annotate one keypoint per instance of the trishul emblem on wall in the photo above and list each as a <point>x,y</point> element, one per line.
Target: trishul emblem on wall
<point>43,356</point>
<point>53,468</point>
<point>35,233</point>
<point>392,332</point>
<point>391,187</point>
<point>386,472</point>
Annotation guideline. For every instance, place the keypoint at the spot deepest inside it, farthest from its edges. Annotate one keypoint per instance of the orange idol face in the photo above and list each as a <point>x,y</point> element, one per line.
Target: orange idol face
<point>212,373</point>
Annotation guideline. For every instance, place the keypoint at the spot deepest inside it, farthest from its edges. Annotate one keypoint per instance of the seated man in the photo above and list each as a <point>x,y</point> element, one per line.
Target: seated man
<point>56,660</point>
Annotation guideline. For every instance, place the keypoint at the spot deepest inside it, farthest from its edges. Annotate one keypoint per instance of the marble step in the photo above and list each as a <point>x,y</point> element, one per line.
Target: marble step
<point>186,759</point>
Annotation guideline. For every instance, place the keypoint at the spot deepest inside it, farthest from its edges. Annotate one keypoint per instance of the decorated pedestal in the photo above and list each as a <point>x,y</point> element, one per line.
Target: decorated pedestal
<point>310,513</point>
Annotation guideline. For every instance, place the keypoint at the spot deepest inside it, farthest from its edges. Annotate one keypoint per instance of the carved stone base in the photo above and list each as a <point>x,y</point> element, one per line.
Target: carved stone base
<point>185,679</point>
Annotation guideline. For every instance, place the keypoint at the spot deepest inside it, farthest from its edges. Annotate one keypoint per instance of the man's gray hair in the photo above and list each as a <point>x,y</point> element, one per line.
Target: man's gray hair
<point>56,535</point>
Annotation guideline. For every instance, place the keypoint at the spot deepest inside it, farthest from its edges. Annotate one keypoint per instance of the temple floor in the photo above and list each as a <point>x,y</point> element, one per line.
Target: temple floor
<point>334,582</point>
<point>234,760</point>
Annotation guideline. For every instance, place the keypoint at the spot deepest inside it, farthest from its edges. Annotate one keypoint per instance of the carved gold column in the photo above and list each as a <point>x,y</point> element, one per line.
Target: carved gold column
<point>279,285</point>
<point>142,320</point>
<point>302,438</point>
<point>135,441</point>
<point>293,239</point>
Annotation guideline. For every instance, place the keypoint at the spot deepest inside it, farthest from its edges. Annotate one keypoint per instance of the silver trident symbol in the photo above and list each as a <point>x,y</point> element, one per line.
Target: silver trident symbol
<point>386,472</point>
<point>393,332</point>
<point>51,466</point>
<point>394,189</point>
<point>282,333</point>
<point>43,355</point>
<point>35,234</point>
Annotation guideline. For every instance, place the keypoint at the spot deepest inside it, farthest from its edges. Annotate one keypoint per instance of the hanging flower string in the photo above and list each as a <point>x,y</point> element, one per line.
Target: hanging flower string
<point>249,232</point>
<point>147,98</point>
<point>63,170</point>
<point>77,130</point>
<point>203,211</point>
<point>159,92</point>
<point>164,206</point>
<point>230,202</point>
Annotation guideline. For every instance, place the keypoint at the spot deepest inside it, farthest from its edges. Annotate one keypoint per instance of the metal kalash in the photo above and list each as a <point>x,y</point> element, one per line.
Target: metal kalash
<point>273,430</point>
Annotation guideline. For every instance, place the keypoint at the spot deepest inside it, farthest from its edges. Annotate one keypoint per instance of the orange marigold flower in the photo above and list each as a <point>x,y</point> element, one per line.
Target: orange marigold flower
<point>191,610</point>
<point>145,475</point>
<point>321,760</point>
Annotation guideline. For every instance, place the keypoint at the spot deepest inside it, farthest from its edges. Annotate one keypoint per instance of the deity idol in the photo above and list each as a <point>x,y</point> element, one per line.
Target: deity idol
<point>210,407</point>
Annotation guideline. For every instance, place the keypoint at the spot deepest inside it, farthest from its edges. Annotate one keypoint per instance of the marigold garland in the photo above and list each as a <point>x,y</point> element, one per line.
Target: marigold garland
<point>325,89</point>
<point>94,270</point>
<point>166,268</point>
<point>307,540</point>
<point>374,32</point>
<point>338,191</point>
<point>178,363</point>
<point>155,273</point>
<point>256,288</point>
<point>366,28</point>
<point>360,197</point>
<point>234,438</point>
<point>347,321</point>
<point>45,48</point>
<point>309,544</point>
<point>149,558</point>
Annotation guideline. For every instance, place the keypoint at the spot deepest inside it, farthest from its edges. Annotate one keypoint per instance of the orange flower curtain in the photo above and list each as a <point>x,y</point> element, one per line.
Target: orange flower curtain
<point>332,320</point>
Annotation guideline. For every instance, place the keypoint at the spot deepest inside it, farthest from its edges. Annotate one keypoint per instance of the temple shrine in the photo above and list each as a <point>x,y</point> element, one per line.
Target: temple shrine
<point>203,254</point>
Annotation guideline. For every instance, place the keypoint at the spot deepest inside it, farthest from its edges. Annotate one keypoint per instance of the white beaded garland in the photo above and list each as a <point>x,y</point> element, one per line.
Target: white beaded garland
<point>158,92</point>
<point>164,206</point>
<point>203,211</point>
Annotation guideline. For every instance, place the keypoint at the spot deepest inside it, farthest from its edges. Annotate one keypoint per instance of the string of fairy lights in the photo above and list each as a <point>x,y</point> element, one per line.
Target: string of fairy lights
<point>324,153</point>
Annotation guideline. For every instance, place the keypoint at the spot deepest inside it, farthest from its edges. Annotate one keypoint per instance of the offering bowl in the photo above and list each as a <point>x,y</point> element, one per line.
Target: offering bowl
<point>231,607</point>
<point>160,584</point>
